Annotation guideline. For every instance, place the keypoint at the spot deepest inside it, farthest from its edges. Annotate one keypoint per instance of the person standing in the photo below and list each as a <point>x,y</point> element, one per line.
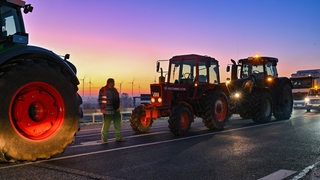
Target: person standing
<point>109,104</point>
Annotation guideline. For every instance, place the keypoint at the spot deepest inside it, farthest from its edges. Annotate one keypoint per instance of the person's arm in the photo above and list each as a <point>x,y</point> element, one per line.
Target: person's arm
<point>116,100</point>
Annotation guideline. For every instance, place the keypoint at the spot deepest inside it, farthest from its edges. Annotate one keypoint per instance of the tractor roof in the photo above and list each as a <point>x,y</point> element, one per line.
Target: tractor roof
<point>16,2</point>
<point>258,60</point>
<point>192,56</point>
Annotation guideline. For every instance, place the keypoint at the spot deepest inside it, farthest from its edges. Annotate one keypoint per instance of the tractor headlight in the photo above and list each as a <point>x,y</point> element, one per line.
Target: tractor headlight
<point>153,100</point>
<point>307,100</point>
<point>159,100</point>
<point>236,95</point>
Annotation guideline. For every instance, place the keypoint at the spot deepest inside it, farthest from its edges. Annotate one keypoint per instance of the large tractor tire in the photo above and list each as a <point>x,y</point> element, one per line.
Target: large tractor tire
<point>244,108</point>
<point>180,120</point>
<point>216,112</point>
<point>283,108</point>
<point>39,111</point>
<point>138,120</point>
<point>261,107</point>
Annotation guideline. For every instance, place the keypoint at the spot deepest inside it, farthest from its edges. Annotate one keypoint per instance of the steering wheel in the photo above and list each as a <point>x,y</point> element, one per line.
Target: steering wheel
<point>255,72</point>
<point>187,75</point>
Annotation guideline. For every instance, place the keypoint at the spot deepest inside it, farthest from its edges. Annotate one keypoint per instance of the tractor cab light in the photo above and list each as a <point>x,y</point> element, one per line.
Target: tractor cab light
<point>269,79</point>
<point>228,81</point>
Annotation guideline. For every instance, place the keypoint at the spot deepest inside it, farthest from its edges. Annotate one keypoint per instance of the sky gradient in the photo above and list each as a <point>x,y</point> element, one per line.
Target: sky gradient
<point>124,38</point>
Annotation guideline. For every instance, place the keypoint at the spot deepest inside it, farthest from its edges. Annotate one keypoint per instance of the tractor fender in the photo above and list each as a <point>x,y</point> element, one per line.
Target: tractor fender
<point>33,51</point>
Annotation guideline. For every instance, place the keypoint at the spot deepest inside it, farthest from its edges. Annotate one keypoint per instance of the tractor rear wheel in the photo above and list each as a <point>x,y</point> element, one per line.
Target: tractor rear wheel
<point>180,120</point>
<point>261,107</point>
<point>216,112</point>
<point>39,111</point>
<point>283,108</point>
<point>138,120</point>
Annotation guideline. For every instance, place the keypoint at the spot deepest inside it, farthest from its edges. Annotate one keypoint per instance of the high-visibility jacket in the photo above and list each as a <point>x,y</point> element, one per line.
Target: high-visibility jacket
<point>108,100</point>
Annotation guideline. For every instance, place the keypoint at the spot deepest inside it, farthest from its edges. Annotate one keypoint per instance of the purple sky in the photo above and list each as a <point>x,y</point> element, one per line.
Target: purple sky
<point>124,38</point>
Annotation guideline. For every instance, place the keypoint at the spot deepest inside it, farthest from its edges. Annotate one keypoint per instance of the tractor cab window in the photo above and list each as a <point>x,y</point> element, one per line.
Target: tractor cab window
<point>271,70</point>
<point>214,72</point>
<point>10,22</point>
<point>202,73</point>
<point>254,70</point>
<point>182,72</point>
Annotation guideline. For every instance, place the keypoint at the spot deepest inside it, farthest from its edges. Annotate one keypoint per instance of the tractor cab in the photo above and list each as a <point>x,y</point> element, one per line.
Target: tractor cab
<point>186,76</point>
<point>12,26</point>
<point>257,67</point>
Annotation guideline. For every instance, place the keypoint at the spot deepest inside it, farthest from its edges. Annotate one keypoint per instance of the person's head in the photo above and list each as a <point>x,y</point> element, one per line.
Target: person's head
<point>110,82</point>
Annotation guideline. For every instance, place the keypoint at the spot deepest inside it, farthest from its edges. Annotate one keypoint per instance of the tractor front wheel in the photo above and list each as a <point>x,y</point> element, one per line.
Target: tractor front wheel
<point>283,108</point>
<point>139,122</point>
<point>261,107</point>
<point>180,120</point>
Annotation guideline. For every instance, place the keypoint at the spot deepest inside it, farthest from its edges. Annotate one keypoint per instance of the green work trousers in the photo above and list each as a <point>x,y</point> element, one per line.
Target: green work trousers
<point>107,119</point>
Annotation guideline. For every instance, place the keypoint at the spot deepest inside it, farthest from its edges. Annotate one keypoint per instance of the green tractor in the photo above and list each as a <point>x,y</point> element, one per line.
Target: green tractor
<point>256,91</point>
<point>40,107</point>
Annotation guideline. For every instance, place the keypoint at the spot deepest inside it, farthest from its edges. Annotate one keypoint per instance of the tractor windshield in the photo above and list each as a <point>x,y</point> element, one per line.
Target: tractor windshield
<point>249,69</point>
<point>10,21</point>
<point>185,72</point>
<point>182,71</point>
<point>258,70</point>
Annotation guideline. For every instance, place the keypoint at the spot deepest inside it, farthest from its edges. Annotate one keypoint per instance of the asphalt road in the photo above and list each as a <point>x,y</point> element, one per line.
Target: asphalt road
<point>244,150</point>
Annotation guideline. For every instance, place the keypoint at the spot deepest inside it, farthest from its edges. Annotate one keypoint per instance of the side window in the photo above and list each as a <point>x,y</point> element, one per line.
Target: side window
<point>9,21</point>
<point>270,69</point>
<point>214,79</point>
<point>174,75</point>
<point>202,73</point>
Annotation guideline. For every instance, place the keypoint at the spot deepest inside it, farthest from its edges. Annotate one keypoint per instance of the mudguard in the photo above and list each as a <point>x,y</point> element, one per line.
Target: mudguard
<point>24,50</point>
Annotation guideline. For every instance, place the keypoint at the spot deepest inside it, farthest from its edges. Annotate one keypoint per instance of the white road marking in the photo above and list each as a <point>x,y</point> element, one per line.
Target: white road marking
<point>278,175</point>
<point>304,172</point>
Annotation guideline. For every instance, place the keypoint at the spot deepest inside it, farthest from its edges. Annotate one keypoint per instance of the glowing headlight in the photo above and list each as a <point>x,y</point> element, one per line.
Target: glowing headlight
<point>159,100</point>
<point>306,100</point>
<point>237,95</point>
<point>153,100</point>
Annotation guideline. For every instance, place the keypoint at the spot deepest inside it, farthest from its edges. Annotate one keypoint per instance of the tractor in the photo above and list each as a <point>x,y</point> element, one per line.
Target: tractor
<point>192,89</point>
<point>40,106</point>
<point>256,91</point>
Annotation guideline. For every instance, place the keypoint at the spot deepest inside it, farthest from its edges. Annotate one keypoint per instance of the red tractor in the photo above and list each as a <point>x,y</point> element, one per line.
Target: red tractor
<point>192,89</point>
<point>40,107</point>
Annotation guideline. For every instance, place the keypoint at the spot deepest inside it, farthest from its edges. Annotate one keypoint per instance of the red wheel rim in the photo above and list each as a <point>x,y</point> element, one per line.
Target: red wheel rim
<point>37,111</point>
<point>184,120</point>
<point>220,109</point>
<point>145,122</point>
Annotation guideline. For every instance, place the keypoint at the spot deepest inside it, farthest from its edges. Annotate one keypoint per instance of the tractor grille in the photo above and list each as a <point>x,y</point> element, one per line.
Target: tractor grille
<point>314,101</point>
<point>155,91</point>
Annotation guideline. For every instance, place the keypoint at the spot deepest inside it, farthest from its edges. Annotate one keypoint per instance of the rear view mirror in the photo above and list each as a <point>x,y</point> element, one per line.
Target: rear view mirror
<point>158,66</point>
<point>228,68</point>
